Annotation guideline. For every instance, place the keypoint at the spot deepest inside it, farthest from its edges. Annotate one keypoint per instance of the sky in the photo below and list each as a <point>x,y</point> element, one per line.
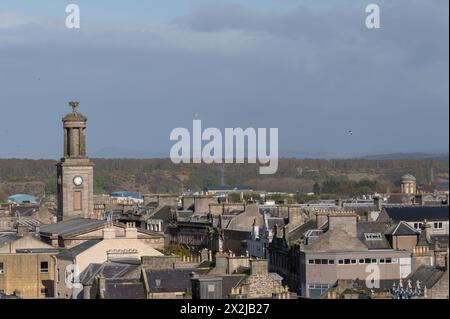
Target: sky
<point>143,68</point>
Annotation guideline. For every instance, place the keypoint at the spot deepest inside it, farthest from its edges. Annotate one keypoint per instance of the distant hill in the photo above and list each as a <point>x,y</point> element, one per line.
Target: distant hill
<point>342,176</point>
<point>441,157</point>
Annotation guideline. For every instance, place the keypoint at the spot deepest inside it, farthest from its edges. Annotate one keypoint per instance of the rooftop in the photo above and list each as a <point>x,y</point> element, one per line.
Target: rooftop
<point>72,227</point>
<point>75,251</point>
<point>418,213</point>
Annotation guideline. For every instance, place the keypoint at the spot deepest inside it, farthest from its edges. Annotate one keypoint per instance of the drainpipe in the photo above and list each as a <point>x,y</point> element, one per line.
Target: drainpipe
<point>55,282</point>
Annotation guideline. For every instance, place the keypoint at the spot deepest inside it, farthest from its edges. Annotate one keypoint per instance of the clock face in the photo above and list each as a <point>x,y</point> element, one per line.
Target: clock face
<point>78,180</point>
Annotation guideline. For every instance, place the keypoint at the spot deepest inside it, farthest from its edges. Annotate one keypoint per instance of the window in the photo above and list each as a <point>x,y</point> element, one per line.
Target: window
<point>2,268</point>
<point>367,260</point>
<point>353,261</point>
<point>438,225</point>
<point>373,236</point>
<point>321,261</point>
<point>382,261</point>
<point>347,261</point>
<point>374,261</point>
<point>388,260</point>
<point>44,267</point>
<point>340,261</point>
<point>77,200</point>
<point>395,260</point>
<point>362,261</point>
<point>417,225</point>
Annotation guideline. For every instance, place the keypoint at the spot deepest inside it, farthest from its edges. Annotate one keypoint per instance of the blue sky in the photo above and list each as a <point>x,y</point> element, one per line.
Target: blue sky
<point>143,68</point>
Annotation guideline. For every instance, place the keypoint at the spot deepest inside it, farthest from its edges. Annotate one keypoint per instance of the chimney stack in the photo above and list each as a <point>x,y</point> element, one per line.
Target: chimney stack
<point>131,231</point>
<point>259,267</point>
<point>22,230</point>
<point>109,233</point>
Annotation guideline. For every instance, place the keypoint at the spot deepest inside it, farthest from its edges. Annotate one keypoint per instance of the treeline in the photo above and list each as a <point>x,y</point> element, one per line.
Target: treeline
<point>342,176</point>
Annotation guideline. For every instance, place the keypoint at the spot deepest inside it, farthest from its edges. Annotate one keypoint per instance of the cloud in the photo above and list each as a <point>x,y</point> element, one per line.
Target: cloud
<point>313,72</point>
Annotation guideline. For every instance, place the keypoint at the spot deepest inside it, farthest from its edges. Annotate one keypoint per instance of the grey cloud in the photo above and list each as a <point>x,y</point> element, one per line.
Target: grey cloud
<point>314,73</point>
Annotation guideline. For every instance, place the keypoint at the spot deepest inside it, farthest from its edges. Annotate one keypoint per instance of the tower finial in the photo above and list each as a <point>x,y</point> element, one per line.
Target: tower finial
<point>74,105</point>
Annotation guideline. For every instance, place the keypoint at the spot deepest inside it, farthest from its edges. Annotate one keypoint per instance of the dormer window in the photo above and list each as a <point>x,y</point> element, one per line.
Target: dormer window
<point>373,236</point>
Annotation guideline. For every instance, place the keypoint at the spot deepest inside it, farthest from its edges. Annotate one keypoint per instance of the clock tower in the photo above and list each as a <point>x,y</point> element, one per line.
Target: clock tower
<point>75,172</point>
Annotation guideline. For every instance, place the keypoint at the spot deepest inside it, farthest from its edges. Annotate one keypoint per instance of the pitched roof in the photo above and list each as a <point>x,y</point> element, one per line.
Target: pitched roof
<point>171,280</point>
<point>229,282</point>
<point>75,251</point>
<point>297,233</point>
<point>402,229</point>
<point>7,237</point>
<point>427,275</point>
<point>369,228</point>
<point>417,213</point>
<point>108,269</point>
<point>124,288</point>
<point>335,241</point>
<point>164,213</point>
<point>71,227</point>
<point>24,211</point>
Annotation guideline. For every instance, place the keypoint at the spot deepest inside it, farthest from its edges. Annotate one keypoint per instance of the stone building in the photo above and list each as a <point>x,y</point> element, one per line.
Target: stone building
<point>27,265</point>
<point>72,262</point>
<point>75,172</point>
<point>337,247</point>
<point>260,284</point>
<point>70,233</point>
<point>437,216</point>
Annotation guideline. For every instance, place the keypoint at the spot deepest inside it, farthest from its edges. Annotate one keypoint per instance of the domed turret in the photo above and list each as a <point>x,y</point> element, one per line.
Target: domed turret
<point>409,184</point>
<point>408,178</point>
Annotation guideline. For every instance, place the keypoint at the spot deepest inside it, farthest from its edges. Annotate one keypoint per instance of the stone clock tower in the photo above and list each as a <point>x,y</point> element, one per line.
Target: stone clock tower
<point>75,172</point>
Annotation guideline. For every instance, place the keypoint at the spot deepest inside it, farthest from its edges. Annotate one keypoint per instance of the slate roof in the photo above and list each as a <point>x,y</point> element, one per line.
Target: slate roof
<point>124,289</point>
<point>24,211</point>
<point>418,213</point>
<point>71,227</point>
<point>297,233</point>
<point>363,228</point>
<point>163,213</point>
<point>402,229</point>
<point>71,253</point>
<point>427,275</point>
<point>272,221</point>
<point>336,241</point>
<point>109,270</point>
<point>7,237</point>
<point>171,280</point>
<point>229,282</point>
